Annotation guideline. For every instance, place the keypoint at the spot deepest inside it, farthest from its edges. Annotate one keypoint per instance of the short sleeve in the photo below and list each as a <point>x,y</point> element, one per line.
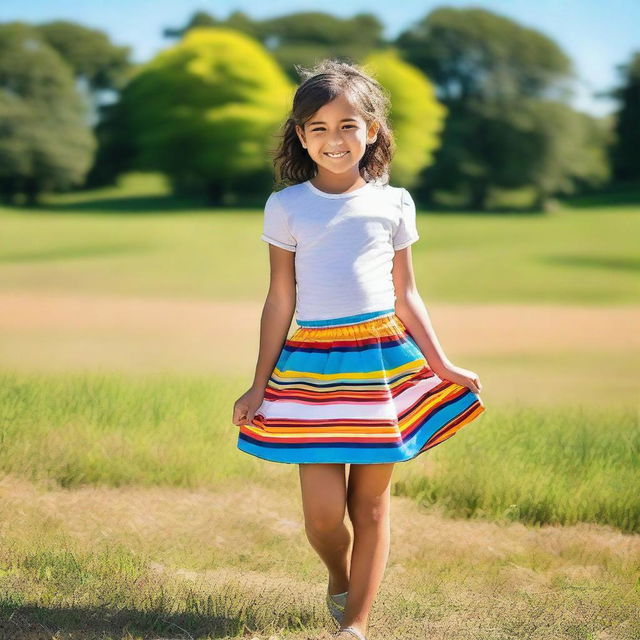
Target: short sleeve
<point>276,229</point>
<point>406,232</point>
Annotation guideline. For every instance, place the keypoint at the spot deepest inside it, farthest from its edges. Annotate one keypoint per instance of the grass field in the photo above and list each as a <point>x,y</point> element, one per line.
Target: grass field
<point>99,243</point>
<point>143,562</point>
<point>129,324</point>
<point>529,465</point>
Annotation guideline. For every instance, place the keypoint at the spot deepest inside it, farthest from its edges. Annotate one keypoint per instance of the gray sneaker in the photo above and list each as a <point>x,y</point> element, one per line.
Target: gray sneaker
<point>352,630</point>
<point>336,603</point>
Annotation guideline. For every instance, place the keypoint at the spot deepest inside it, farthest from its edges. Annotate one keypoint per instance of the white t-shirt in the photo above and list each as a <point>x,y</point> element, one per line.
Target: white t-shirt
<point>344,245</point>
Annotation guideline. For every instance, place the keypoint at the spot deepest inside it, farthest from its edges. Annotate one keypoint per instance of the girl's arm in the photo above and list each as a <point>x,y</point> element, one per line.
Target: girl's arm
<point>412,312</point>
<point>275,321</point>
<point>277,313</point>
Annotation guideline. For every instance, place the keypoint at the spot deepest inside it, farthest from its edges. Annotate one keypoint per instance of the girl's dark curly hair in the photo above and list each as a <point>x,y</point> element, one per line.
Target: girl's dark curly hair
<point>321,84</point>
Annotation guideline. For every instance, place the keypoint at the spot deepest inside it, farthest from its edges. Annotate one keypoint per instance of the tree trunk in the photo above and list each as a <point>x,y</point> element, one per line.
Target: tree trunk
<point>215,192</point>
<point>479,193</point>
<point>541,201</point>
<point>31,191</point>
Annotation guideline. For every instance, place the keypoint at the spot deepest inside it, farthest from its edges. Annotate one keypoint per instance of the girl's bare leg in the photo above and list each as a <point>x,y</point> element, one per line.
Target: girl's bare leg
<point>368,502</point>
<point>324,502</point>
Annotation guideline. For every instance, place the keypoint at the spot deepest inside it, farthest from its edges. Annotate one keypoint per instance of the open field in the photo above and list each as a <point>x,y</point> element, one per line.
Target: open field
<point>531,354</point>
<point>128,326</point>
<point>530,464</point>
<point>136,242</point>
<point>544,307</point>
<point>100,562</point>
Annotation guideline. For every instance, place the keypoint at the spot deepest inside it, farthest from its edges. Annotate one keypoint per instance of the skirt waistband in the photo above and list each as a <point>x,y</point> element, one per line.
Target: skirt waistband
<point>345,320</point>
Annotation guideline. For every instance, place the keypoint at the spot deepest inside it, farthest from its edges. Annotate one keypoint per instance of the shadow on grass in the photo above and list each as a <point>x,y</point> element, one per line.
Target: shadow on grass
<point>624,195</point>
<point>66,253</point>
<point>140,205</point>
<point>615,263</point>
<point>127,205</point>
<point>154,205</point>
<point>34,622</point>
<point>445,210</point>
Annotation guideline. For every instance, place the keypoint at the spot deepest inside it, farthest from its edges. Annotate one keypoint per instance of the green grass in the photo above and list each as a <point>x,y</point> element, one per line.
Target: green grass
<point>127,511</point>
<point>542,465</point>
<point>134,239</point>
<point>528,464</point>
<point>108,429</point>
<point>539,467</point>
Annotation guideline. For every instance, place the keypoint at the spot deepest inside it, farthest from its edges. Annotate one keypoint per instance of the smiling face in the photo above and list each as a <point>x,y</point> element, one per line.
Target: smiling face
<point>336,137</point>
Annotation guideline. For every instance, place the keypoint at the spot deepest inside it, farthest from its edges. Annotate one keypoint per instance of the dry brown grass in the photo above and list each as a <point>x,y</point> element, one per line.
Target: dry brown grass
<point>532,354</point>
<point>445,578</point>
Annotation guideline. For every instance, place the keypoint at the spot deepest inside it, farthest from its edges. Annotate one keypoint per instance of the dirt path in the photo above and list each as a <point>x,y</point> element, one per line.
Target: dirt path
<point>473,329</point>
<point>545,350</point>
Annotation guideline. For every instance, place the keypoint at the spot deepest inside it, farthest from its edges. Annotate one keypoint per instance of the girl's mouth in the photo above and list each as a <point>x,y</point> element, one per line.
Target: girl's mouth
<point>336,155</point>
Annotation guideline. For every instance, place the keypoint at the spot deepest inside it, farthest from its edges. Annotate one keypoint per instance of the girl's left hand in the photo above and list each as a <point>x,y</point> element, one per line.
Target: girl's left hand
<point>460,376</point>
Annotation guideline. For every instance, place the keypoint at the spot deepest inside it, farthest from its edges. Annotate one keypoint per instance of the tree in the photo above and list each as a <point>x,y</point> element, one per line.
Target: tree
<point>90,54</point>
<point>501,83</point>
<point>475,53</point>
<point>568,149</point>
<point>416,115</point>
<point>625,154</point>
<point>302,38</point>
<point>205,112</point>
<point>198,19</point>
<point>305,37</point>
<point>541,144</point>
<point>100,69</point>
<point>45,142</point>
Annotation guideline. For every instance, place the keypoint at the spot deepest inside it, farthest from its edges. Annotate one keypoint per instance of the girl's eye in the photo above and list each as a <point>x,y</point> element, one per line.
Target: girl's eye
<point>346,126</point>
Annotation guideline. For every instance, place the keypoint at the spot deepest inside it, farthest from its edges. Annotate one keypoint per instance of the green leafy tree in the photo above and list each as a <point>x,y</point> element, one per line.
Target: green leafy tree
<point>116,146</point>
<point>501,83</point>
<point>416,116</point>
<point>625,153</point>
<point>100,69</point>
<point>572,150</point>
<point>45,141</point>
<point>304,37</point>
<point>543,145</point>
<point>93,58</point>
<point>475,53</point>
<point>205,112</point>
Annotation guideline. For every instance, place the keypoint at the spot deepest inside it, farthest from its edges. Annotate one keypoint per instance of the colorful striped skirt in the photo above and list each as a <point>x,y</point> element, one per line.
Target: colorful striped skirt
<point>356,390</point>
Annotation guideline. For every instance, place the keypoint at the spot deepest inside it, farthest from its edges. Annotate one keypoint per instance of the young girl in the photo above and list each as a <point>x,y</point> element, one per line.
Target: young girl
<point>363,381</point>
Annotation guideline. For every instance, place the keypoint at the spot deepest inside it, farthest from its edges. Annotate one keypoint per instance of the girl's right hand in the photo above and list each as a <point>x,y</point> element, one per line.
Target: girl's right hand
<point>246,406</point>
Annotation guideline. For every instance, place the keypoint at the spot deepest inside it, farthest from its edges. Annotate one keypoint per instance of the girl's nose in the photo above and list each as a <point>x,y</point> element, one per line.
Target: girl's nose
<point>336,140</point>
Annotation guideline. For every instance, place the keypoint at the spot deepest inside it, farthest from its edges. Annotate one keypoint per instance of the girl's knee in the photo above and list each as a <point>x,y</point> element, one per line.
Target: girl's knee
<point>368,512</point>
<point>323,523</point>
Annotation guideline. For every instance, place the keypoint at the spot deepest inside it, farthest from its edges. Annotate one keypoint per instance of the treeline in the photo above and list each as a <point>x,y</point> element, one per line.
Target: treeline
<point>481,106</point>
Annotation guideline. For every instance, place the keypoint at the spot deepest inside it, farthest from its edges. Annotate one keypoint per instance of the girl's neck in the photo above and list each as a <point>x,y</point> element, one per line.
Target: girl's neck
<point>338,183</point>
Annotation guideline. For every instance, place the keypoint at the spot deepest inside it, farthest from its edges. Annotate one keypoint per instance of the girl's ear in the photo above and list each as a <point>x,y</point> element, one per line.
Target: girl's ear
<point>372,132</point>
<point>301,136</point>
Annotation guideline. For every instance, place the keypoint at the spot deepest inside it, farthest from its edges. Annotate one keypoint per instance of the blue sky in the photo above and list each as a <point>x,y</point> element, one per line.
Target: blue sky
<point>596,34</point>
